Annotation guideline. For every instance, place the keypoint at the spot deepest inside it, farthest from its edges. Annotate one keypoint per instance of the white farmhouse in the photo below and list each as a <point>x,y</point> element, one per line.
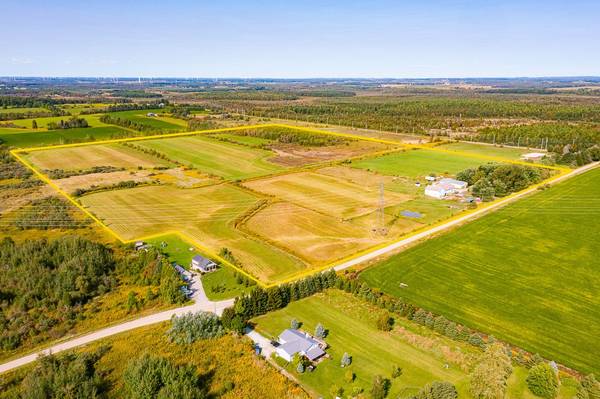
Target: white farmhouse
<point>294,341</point>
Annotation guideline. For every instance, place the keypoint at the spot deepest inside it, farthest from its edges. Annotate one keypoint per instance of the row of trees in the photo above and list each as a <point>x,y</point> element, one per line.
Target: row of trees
<point>260,301</point>
<point>129,124</point>
<point>63,174</point>
<point>71,123</point>
<point>292,136</point>
<point>498,180</point>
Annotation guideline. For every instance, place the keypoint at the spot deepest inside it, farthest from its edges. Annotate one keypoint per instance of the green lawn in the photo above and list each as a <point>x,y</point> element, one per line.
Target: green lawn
<point>227,160</point>
<point>32,138</point>
<point>417,163</point>
<point>417,350</point>
<point>528,273</point>
<point>351,325</point>
<point>486,150</point>
<point>218,285</point>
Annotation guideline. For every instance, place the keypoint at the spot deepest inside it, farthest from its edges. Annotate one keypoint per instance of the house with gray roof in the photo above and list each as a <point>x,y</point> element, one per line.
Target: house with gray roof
<point>292,342</point>
<point>203,264</point>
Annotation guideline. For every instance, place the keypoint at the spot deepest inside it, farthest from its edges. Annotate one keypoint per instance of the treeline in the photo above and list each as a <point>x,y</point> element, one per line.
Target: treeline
<point>570,144</point>
<point>261,301</point>
<point>151,151</point>
<point>72,123</point>
<point>116,186</point>
<point>126,106</point>
<point>129,124</point>
<point>498,180</point>
<point>28,102</point>
<point>135,94</point>
<point>291,136</point>
<point>419,114</point>
<point>44,285</point>
<point>51,111</point>
<point>63,174</point>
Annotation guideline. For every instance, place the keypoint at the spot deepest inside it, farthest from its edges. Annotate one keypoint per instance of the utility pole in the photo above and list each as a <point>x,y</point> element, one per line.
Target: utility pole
<point>381,210</point>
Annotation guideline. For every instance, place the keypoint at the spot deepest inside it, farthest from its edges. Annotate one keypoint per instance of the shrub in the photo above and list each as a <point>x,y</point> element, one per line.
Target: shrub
<point>300,367</point>
<point>154,377</point>
<point>191,327</point>
<point>385,322</point>
<point>346,360</point>
<point>543,381</point>
<point>349,376</point>
<point>69,376</point>
<point>294,324</point>
<point>320,331</point>
<point>489,378</point>
<point>437,390</point>
<point>380,387</point>
<point>589,388</point>
<point>396,371</point>
<point>336,391</point>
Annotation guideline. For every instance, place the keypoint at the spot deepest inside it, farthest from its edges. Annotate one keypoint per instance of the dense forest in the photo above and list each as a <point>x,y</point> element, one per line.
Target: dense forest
<point>46,283</point>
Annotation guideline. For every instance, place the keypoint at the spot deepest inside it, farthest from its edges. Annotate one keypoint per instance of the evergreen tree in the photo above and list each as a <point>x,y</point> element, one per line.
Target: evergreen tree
<point>320,331</point>
<point>346,360</point>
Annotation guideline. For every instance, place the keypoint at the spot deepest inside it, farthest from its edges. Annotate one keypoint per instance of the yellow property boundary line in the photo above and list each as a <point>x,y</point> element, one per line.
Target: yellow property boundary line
<point>184,236</point>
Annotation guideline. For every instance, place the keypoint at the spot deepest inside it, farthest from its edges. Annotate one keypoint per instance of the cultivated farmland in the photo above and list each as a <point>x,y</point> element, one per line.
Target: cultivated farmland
<point>206,214</point>
<point>226,160</point>
<point>85,157</point>
<point>282,200</point>
<point>524,273</point>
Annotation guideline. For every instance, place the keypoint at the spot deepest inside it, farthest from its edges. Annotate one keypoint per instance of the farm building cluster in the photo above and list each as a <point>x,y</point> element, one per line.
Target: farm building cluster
<point>445,188</point>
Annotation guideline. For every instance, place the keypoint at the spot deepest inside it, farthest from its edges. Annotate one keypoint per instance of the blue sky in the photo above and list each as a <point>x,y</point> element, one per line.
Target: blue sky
<point>397,39</point>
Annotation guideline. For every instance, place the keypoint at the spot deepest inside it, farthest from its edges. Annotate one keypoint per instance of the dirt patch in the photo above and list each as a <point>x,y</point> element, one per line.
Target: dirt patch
<point>184,178</point>
<point>92,180</point>
<point>294,155</point>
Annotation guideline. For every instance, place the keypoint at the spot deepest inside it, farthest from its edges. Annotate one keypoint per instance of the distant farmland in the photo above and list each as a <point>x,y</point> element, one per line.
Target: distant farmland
<point>529,273</point>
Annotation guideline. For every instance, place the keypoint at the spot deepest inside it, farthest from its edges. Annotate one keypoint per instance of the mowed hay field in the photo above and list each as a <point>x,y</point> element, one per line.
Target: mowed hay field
<point>329,195</point>
<point>418,163</point>
<point>226,160</point>
<point>315,237</point>
<point>528,273</point>
<point>160,123</point>
<point>206,214</point>
<point>33,138</point>
<point>85,157</point>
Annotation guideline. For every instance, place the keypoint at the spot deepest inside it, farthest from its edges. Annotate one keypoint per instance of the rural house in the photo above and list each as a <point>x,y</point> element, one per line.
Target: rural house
<point>203,264</point>
<point>292,342</point>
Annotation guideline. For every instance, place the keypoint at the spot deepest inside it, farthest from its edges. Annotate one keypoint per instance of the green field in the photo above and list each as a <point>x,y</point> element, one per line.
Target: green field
<point>486,150</point>
<point>418,163</point>
<point>15,110</point>
<point>528,273</point>
<point>32,138</point>
<point>352,328</point>
<point>139,116</point>
<point>93,121</point>
<point>226,160</point>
